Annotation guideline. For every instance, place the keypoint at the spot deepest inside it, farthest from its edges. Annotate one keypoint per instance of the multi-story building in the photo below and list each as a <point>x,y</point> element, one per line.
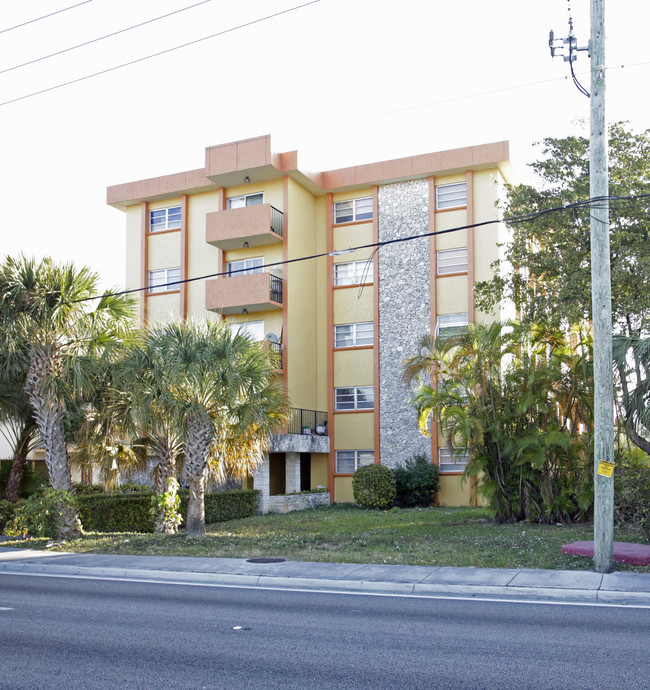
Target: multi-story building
<point>312,262</point>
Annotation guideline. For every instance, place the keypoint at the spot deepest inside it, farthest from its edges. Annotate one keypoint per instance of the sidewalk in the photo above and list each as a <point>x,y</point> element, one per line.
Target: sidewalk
<point>539,585</point>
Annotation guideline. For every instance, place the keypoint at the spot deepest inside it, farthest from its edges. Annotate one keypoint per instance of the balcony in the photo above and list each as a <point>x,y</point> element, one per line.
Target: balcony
<point>308,422</point>
<point>251,226</point>
<point>278,354</point>
<point>306,433</point>
<point>253,292</point>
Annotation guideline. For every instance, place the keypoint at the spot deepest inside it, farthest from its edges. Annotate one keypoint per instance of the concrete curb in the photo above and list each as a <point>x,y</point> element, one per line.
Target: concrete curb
<point>593,595</point>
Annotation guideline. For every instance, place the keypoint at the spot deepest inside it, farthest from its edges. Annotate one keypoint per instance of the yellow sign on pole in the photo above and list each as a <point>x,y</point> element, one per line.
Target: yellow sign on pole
<point>605,469</point>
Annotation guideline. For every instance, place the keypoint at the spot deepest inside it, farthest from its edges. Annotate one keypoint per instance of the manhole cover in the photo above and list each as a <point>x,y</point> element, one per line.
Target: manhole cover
<point>265,560</point>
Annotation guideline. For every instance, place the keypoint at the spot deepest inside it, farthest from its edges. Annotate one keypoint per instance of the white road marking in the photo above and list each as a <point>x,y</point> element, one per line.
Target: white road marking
<point>442,597</point>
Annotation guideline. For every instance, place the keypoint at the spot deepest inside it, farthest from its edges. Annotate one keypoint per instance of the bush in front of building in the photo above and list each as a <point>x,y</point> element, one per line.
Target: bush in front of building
<point>116,512</point>
<point>417,481</point>
<point>632,490</point>
<point>221,506</point>
<point>7,510</point>
<point>32,480</point>
<point>37,515</point>
<point>373,486</point>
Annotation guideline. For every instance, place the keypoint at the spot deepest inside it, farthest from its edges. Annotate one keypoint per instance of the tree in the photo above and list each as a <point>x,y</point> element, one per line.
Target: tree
<point>139,406</point>
<point>520,403</point>
<point>19,428</point>
<point>56,329</point>
<point>547,267</point>
<point>632,362</point>
<point>221,386</point>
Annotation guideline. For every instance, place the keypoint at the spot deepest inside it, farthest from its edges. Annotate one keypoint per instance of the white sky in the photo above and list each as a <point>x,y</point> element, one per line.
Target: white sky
<point>343,81</point>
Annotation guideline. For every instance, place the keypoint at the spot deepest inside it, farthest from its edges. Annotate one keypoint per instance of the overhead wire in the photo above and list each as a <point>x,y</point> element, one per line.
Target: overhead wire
<point>162,52</point>
<point>45,16</point>
<point>101,38</point>
<point>511,220</point>
<point>578,85</point>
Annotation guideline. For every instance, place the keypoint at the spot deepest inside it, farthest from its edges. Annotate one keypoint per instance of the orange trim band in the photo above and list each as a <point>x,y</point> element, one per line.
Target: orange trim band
<point>433,302</point>
<point>164,232</point>
<point>144,260</point>
<point>375,306</point>
<point>354,411</point>
<point>184,255</point>
<point>285,288</point>
<point>331,461</point>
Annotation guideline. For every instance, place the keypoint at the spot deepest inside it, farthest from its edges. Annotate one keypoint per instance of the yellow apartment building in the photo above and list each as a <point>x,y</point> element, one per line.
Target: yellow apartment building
<point>313,263</point>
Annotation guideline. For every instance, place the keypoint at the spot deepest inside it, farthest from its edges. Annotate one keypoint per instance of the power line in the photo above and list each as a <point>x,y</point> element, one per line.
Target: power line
<point>101,38</point>
<point>45,16</point>
<point>162,52</point>
<point>332,124</point>
<point>512,220</point>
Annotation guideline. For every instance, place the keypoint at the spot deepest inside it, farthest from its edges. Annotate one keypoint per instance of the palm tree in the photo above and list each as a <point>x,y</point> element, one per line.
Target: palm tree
<point>139,407</point>
<point>632,362</point>
<point>56,328</point>
<point>223,387</point>
<point>520,403</point>
<point>20,429</point>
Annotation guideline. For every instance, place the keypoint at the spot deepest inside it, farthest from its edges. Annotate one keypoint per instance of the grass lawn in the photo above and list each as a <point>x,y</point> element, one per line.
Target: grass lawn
<point>344,533</point>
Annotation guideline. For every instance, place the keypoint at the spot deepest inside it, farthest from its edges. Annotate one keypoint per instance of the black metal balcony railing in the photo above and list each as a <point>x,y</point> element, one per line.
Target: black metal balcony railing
<point>276,289</point>
<point>277,221</point>
<point>277,350</point>
<point>308,422</point>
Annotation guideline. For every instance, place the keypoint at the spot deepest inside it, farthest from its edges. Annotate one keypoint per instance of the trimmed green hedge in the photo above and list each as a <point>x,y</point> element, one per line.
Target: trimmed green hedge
<point>225,505</point>
<point>115,512</point>
<point>130,512</point>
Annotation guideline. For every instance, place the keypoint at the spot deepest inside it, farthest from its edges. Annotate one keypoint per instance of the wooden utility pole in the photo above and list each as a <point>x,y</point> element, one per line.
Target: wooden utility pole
<point>601,298</point>
<point>601,288</point>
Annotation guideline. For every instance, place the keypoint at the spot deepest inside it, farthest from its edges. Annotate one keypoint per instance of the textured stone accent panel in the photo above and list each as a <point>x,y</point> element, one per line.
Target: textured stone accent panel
<point>404,313</point>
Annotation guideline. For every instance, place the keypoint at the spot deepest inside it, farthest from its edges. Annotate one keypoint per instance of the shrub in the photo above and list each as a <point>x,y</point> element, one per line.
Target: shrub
<point>84,489</point>
<point>36,515</point>
<point>131,511</point>
<point>632,490</point>
<point>7,510</point>
<point>221,506</point>
<point>416,481</point>
<point>373,487</point>
<point>32,482</point>
<point>115,512</point>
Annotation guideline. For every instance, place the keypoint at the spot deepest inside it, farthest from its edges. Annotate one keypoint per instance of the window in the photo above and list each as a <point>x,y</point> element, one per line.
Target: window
<point>246,200</point>
<point>356,398</point>
<point>245,267</point>
<point>165,219</point>
<point>452,261</point>
<point>354,334</point>
<point>451,195</point>
<point>452,459</point>
<point>353,273</point>
<point>163,279</point>
<point>353,210</point>
<point>347,461</point>
<point>255,329</point>
<point>451,324</point>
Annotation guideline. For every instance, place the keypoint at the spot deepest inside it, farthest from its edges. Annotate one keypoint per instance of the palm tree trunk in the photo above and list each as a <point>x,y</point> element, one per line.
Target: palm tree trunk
<point>49,412</point>
<point>165,471</point>
<point>12,490</point>
<point>198,439</point>
<point>195,523</point>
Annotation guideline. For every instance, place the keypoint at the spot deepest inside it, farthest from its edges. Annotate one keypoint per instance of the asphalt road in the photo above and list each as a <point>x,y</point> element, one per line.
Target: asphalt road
<point>75,633</point>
